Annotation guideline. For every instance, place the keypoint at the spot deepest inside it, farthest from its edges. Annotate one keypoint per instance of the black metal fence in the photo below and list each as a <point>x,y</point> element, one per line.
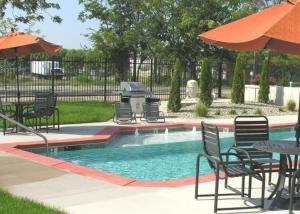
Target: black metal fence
<point>80,79</point>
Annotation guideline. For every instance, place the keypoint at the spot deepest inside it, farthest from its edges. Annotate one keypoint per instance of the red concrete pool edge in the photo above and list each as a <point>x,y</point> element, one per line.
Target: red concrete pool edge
<point>107,134</point>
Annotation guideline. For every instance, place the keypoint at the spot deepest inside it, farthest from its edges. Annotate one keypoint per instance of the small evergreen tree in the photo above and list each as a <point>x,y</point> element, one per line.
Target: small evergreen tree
<point>205,84</point>
<point>238,83</point>
<point>174,103</point>
<point>263,93</point>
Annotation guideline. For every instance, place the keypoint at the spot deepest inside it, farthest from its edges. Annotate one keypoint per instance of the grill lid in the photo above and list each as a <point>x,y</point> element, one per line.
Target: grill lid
<point>132,86</point>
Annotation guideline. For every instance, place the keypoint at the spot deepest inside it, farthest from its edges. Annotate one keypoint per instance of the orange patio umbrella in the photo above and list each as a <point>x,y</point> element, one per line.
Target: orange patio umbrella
<point>18,44</point>
<point>276,28</point>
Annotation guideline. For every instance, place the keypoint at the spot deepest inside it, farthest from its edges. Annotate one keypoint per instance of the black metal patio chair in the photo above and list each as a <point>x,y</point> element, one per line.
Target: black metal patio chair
<point>123,113</point>
<point>151,113</point>
<point>7,111</point>
<point>44,107</point>
<point>220,162</point>
<point>249,130</point>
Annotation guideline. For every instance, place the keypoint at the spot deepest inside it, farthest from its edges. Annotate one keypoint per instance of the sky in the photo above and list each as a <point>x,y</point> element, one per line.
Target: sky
<point>70,32</point>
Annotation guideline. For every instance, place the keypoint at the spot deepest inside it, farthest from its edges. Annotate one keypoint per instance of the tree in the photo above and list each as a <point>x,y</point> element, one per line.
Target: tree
<point>28,11</point>
<point>121,33</point>
<point>238,84</point>
<point>205,84</point>
<point>263,93</point>
<point>174,103</point>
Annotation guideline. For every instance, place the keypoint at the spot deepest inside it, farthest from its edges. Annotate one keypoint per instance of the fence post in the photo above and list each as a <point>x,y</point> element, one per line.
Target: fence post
<point>151,75</point>
<point>105,80</point>
<point>52,75</point>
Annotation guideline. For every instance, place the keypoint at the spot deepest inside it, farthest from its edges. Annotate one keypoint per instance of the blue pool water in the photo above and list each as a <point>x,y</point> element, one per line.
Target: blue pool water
<point>157,156</point>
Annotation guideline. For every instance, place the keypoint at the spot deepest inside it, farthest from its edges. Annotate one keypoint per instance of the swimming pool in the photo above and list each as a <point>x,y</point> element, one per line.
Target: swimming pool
<point>156,155</point>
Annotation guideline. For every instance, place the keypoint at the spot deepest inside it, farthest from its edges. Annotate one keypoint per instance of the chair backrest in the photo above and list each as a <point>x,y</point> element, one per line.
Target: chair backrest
<point>41,103</point>
<point>211,141</point>
<point>2,109</point>
<point>251,129</point>
<point>151,110</point>
<point>123,110</point>
<point>52,99</point>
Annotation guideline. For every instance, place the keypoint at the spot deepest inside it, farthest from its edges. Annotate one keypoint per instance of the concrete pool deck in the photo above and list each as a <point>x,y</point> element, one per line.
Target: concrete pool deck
<point>80,194</point>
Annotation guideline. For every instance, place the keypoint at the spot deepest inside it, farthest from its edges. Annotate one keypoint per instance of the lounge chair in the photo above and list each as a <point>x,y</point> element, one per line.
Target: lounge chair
<point>249,130</point>
<point>219,162</point>
<point>123,113</point>
<point>151,113</point>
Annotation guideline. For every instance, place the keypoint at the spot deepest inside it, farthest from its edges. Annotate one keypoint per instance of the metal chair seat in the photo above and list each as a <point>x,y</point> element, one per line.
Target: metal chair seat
<point>123,113</point>
<point>151,113</point>
<point>236,170</point>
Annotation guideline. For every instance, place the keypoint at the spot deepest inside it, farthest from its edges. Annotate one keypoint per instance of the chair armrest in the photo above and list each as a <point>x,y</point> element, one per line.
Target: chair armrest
<point>241,151</point>
<point>210,158</point>
<point>28,108</point>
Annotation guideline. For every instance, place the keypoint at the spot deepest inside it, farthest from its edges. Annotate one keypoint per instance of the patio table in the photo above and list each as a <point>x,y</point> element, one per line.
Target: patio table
<point>284,148</point>
<point>19,109</point>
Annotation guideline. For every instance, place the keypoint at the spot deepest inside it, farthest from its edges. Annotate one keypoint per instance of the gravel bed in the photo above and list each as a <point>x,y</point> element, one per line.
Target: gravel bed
<point>226,109</point>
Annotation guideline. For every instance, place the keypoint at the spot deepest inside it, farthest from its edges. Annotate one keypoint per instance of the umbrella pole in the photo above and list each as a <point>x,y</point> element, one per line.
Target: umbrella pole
<point>17,75</point>
<point>297,127</point>
<point>298,124</point>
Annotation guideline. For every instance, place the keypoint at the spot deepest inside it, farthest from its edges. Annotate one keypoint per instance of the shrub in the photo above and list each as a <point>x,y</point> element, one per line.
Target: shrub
<point>218,112</point>
<point>232,112</point>
<point>205,84</point>
<point>174,103</point>
<point>280,109</point>
<point>244,111</point>
<point>291,105</point>
<point>238,88</point>
<point>258,111</point>
<point>201,110</point>
<point>263,93</point>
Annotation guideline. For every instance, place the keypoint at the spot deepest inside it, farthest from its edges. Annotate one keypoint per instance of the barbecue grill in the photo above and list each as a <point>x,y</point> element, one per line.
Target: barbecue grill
<point>136,94</point>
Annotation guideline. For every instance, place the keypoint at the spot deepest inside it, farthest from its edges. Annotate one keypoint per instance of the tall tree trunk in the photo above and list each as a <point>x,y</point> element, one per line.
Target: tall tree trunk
<point>133,78</point>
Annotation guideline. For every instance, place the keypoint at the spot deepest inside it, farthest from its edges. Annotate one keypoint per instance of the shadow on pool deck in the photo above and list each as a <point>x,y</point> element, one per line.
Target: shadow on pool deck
<point>15,171</point>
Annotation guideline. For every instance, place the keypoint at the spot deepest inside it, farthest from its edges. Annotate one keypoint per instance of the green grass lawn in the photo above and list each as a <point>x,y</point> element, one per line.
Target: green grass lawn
<point>81,112</point>
<point>16,205</point>
<point>84,112</point>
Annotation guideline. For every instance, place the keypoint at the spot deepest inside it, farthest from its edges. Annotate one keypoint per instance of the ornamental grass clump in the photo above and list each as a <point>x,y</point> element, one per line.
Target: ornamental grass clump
<point>258,111</point>
<point>201,110</point>
<point>232,112</point>
<point>291,105</point>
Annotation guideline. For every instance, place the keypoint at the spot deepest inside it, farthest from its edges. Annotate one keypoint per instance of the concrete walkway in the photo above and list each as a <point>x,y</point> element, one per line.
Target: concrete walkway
<point>82,195</point>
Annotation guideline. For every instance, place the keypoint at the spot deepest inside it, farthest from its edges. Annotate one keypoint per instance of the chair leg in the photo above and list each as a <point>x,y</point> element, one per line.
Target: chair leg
<point>47,124</point>
<point>270,174</point>
<point>243,186</point>
<point>263,191</point>
<point>216,191</point>
<point>58,120</point>
<point>250,186</point>
<point>4,126</point>
<point>226,182</point>
<point>197,176</point>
